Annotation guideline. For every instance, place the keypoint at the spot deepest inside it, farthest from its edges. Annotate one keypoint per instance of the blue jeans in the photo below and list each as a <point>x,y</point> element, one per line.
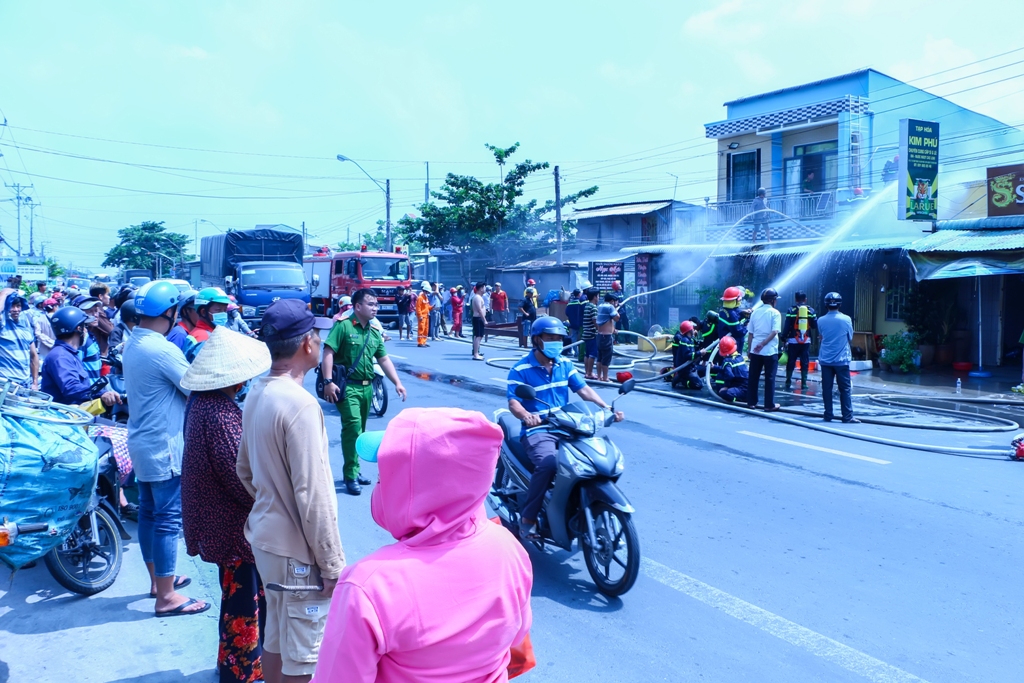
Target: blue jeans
<point>160,523</point>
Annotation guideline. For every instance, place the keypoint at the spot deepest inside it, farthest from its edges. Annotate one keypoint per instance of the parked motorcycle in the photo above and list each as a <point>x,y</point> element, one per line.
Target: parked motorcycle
<point>379,400</point>
<point>89,559</point>
<point>584,502</point>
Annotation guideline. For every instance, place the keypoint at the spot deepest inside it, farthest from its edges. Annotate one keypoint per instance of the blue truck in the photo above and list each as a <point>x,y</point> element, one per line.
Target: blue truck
<point>257,267</point>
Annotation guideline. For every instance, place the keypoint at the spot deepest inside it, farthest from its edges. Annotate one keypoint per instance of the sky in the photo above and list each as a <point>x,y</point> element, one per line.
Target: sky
<point>220,115</point>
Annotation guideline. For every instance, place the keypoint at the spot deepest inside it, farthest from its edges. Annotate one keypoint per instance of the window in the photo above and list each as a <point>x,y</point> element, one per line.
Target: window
<point>816,148</point>
<point>339,267</point>
<point>743,172</point>
<point>896,297</point>
<point>685,295</point>
<point>378,268</point>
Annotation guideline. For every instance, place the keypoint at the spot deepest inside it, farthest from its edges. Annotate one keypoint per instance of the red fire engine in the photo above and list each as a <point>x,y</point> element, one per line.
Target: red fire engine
<point>342,273</point>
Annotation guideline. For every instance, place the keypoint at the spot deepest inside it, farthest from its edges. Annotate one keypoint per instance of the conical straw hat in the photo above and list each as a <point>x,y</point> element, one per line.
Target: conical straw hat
<point>226,359</point>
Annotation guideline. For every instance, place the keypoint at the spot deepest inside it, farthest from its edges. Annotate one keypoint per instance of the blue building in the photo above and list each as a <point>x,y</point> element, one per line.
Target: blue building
<point>826,155</point>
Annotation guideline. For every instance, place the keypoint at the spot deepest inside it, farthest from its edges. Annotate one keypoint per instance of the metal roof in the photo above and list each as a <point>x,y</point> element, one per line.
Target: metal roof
<point>969,240</point>
<point>998,222</point>
<point>830,79</point>
<point>806,248</point>
<point>619,210</point>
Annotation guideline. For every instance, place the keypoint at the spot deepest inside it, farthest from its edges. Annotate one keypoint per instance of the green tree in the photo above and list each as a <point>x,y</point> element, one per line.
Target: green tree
<point>141,245</point>
<point>485,219</point>
<point>54,269</point>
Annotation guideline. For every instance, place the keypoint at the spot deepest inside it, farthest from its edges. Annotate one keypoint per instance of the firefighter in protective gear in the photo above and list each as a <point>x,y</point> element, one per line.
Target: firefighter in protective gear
<point>731,320</point>
<point>684,349</point>
<point>731,379</point>
<point>800,321</point>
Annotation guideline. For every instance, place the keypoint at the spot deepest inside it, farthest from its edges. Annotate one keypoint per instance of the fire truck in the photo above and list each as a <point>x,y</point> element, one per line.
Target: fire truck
<point>342,273</point>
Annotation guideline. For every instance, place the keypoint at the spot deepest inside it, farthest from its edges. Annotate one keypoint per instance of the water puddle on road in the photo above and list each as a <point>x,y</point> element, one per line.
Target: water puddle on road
<point>451,380</point>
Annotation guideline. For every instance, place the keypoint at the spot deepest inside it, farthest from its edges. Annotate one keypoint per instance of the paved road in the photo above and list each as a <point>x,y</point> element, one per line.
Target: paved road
<point>800,557</point>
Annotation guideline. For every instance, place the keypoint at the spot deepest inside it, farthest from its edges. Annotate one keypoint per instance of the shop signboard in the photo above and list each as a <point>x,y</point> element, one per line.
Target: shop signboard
<point>918,178</point>
<point>642,282</point>
<point>604,273</point>
<point>33,272</point>
<point>1006,191</point>
<point>8,266</point>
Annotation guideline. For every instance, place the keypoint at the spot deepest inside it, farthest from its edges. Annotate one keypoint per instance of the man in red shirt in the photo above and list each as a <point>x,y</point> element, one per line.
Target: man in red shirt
<point>499,304</point>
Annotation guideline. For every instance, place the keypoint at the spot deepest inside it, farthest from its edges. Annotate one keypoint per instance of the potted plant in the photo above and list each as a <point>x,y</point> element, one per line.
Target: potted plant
<point>900,352</point>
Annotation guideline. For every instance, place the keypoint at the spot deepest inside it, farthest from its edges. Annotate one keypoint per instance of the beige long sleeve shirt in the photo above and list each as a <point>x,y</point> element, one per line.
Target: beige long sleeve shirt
<point>283,463</point>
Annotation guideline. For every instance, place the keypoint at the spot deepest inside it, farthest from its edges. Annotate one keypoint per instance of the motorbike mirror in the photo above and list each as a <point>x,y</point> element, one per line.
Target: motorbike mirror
<point>609,419</point>
<point>526,392</point>
<point>627,386</point>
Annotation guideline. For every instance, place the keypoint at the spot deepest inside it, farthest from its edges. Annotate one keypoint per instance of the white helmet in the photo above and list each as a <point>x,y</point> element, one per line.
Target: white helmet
<point>426,287</point>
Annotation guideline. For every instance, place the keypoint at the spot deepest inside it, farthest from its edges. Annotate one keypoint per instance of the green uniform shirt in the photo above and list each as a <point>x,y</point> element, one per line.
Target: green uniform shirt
<point>346,338</point>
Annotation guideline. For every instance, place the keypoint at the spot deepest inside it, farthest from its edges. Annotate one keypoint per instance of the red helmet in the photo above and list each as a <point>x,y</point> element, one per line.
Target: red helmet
<point>726,346</point>
<point>451,291</point>
<point>531,281</point>
<point>732,294</point>
<point>621,377</point>
<point>616,286</point>
<point>686,327</point>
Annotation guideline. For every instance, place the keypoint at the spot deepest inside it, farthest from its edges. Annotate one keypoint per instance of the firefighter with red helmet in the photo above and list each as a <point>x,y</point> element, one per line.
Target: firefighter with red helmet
<point>731,380</point>
<point>684,350</point>
<point>731,320</point>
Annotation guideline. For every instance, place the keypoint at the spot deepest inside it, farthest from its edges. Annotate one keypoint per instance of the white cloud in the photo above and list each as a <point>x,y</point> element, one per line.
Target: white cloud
<point>755,66</point>
<point>708,22</point>
<point>194,52</point>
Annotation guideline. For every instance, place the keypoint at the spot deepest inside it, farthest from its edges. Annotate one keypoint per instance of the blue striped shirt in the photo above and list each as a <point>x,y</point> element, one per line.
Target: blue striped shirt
<point>89,354</point>
<point>16,339</point>
<point>552,388</point>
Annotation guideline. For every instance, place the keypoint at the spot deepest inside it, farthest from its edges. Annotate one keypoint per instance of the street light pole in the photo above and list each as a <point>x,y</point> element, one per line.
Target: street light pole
<point>387,199</point>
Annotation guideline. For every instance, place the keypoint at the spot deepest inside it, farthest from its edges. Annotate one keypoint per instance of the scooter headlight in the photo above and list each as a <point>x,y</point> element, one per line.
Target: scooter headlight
<point>586,426</point>
<point>620,464</point>
<point>579,464</point>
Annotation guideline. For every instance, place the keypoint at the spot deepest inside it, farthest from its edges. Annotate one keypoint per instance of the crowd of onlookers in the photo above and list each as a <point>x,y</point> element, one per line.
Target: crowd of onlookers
<point>253,492</point>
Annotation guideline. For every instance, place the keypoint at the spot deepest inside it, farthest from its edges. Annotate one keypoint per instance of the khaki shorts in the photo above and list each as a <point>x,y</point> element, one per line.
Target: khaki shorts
<point>295,620</point>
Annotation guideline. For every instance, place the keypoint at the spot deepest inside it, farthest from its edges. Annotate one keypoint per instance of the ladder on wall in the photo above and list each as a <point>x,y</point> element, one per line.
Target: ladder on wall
<point>857,105</point>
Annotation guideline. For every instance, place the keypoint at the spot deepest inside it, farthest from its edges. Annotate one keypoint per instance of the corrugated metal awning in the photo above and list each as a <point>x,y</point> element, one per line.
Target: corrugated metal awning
<point>994,223</point>
<point>619,210</point>
<point>969,241</point>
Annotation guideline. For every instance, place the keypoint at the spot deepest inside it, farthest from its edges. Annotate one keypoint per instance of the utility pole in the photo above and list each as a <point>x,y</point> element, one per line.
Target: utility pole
<point>387,230</point>
<point>348,234</point>
<point>18,199</point>
<point>426,188</point>
<point>195,237</point>
<point>303,238</point>
<point>558,213</point>
<point>31,226</point>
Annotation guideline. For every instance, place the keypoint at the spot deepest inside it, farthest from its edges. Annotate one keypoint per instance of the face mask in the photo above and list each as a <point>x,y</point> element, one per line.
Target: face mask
<point>552,349</point>
<point>219,318</point>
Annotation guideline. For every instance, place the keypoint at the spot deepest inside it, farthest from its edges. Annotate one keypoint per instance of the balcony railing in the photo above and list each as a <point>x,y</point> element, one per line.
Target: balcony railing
<point>802,207</point>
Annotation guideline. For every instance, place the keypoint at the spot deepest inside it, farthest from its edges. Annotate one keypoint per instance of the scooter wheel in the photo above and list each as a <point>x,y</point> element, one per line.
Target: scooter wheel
<point>614,563</point>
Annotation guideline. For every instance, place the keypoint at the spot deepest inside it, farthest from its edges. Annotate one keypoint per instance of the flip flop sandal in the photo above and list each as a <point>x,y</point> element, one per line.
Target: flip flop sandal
<point>179,583</point>
<point>183,611</point>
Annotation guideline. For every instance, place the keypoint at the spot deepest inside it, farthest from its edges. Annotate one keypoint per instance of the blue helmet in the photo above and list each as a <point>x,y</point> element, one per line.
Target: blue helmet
<point>548,324</point>
<point>154,298</point>
<point>66,320</point>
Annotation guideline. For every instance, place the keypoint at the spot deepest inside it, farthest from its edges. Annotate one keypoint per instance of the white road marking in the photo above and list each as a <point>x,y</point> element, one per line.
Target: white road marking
<point>816,448</point>
<point>818,645</point>
<point>499,380</point>
<point>395,355</point>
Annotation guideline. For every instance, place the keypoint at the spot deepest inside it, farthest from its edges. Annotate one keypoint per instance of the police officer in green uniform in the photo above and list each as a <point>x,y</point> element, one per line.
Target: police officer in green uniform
<point>354,343</point>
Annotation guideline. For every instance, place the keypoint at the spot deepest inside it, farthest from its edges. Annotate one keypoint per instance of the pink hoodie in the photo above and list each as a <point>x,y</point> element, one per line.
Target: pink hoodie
<point>452,596</point>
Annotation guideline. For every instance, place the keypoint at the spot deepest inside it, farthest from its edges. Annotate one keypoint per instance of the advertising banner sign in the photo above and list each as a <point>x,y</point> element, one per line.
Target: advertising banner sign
<point>919,170</point>
<point>1006,191</point>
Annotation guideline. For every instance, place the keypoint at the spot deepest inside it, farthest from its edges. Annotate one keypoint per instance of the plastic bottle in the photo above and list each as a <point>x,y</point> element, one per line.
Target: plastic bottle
<point>958,385</point>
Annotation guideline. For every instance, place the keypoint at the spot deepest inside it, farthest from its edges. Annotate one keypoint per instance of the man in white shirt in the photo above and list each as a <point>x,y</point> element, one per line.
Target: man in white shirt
<point>763,341</point>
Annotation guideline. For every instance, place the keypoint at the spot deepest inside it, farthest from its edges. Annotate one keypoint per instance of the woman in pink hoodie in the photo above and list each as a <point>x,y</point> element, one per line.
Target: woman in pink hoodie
<point>449,600</point>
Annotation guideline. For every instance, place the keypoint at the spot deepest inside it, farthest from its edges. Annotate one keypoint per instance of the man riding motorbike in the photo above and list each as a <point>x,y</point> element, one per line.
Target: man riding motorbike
<point>552,376</point>
<point>64,376</point>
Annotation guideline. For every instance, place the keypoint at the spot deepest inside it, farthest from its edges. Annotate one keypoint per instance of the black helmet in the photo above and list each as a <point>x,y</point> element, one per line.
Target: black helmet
<point>833,300</point>
<point>66,320</point>
<point>128,314</point>
<point>769,295</point>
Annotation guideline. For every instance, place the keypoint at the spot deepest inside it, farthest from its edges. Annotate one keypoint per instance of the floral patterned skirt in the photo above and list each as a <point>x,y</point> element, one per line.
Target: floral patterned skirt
<point>242,619</point>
